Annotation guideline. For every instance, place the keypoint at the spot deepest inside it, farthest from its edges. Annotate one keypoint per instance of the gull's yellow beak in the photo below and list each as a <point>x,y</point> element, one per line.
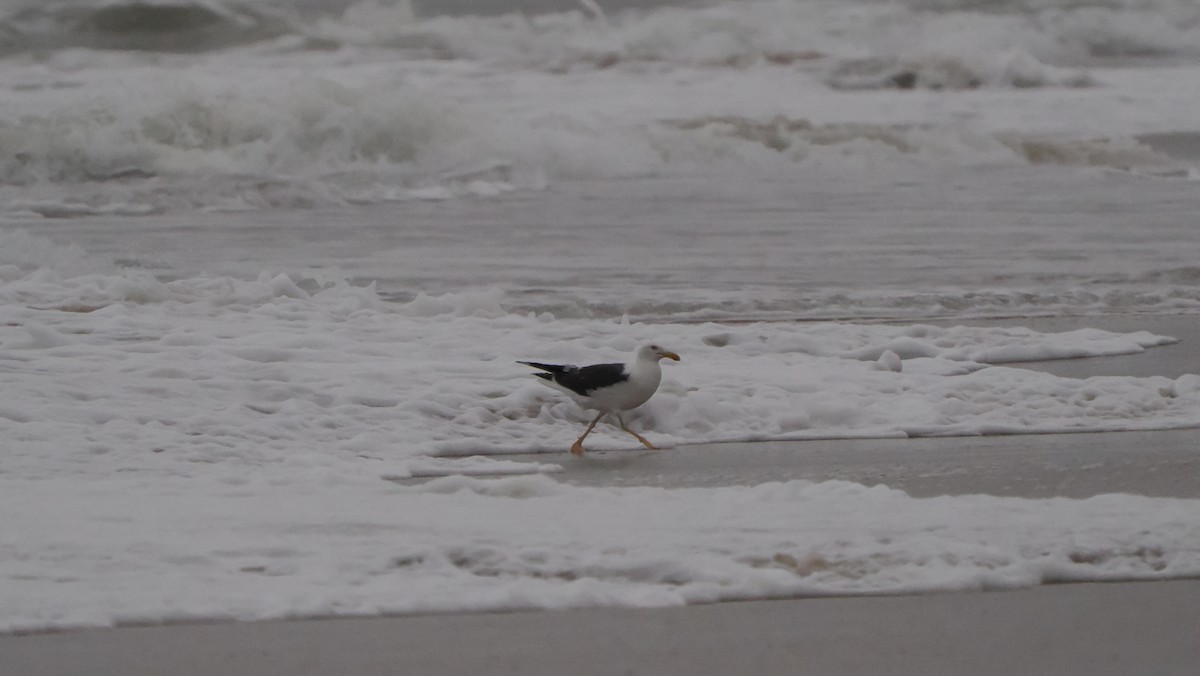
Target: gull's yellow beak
<point>670,355</point>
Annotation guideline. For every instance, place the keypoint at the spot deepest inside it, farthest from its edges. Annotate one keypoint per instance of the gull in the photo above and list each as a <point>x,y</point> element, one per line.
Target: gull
<point>608,388</point>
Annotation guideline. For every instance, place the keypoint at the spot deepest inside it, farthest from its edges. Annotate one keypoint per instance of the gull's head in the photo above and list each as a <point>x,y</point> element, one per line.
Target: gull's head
<point>655,352</point>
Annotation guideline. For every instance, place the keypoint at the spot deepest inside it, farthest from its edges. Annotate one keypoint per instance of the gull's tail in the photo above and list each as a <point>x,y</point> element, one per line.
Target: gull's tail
<point>552,370</point>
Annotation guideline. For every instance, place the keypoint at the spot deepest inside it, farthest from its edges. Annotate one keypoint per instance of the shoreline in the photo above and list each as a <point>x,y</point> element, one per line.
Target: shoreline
<point>821,634</point>
<point>1035,465</point>
<point>1078,465</point>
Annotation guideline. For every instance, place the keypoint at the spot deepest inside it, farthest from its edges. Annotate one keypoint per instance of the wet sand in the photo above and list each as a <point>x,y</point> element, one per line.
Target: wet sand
<point>1066,630</point>
<point>1158,464</point>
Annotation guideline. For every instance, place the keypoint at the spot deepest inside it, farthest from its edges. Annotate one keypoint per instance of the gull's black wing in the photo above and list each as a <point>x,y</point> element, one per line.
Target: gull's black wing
<point>582,381</point>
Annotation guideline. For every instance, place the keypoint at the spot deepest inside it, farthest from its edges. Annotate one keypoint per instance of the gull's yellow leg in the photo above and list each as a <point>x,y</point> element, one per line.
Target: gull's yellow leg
<point>639,437</point>
<point>577,447</point>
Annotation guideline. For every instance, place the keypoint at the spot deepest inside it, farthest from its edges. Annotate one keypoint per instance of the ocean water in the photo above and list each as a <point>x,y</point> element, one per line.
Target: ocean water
<point>773,159</point>
<point>260,259</point>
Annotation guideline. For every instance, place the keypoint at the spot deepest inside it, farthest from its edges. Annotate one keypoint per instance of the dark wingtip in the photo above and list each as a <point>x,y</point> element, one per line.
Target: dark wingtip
<point>538,365</point>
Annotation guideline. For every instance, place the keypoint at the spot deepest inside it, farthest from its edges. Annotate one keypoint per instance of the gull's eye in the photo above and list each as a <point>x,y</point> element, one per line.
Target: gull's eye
<point>654,347</point>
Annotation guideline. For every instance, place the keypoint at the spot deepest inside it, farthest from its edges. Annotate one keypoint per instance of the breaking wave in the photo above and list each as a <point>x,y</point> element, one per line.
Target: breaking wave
<point>301,144</point>
<point>800,139</point>
<point>185,26</point>
<point>951,44</point>
<point>320,143</point>
<point>724,34</point>
<point>342,102</point>
<point>1014,69</point>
